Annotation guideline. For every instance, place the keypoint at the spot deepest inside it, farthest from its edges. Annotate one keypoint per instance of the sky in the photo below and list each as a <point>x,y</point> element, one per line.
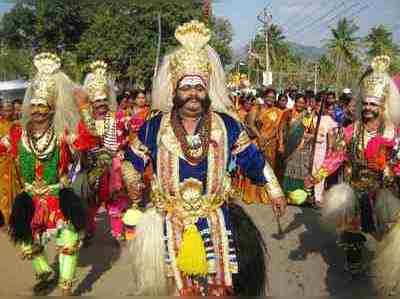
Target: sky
<point>307,21</point>
<point>5,6</point>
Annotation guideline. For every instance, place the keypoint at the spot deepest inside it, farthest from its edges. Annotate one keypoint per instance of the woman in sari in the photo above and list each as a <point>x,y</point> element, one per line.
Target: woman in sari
<point>297,142</point>
<point>10,184</point>
<point>323,143</point>
<point>264,121</point>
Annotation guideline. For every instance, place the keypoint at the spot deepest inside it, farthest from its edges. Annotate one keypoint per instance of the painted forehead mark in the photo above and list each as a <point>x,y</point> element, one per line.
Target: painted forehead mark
<point>192,80</point>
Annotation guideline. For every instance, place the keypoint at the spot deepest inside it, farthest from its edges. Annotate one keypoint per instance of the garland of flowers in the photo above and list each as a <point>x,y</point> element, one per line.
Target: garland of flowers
<point>180,133</point>
<point>27,162</point>
<point>33,141</point>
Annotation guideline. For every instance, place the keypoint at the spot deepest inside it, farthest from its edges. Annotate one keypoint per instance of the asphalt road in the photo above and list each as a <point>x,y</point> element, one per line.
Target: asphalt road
<point>303,261</point>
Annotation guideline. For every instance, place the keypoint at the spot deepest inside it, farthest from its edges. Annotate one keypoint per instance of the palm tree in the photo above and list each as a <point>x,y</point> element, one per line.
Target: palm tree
<point>343,48</point>
<point>379,41</point>
<point>278,49</point>
<point>326,71</point>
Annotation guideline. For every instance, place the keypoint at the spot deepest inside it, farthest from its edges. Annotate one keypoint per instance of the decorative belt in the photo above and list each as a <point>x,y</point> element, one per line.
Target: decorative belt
<point>41,190</point>
<point>190,204</point>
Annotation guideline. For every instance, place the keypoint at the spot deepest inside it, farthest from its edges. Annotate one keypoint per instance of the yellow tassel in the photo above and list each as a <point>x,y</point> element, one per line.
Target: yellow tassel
<point>192,254</point>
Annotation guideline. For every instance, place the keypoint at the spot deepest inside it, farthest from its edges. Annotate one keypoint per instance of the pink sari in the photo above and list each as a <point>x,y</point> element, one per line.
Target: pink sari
<point>327,124</point>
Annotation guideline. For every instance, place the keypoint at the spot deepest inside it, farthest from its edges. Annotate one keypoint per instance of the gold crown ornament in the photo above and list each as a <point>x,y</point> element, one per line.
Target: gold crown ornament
<point>376,84</point>
<point>97,83</point>
<point>192,58</point>
<point>44,85</point>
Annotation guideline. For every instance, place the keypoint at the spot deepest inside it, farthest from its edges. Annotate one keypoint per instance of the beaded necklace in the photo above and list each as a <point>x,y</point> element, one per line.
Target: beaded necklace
<point>194,149</point>
<point>33,141</point>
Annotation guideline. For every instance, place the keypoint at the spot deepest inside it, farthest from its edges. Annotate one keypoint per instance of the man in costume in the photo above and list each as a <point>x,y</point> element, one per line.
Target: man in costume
<point>10,184</point>
<point>189,241</point>
<point>46,207</point>
<point>368,149</point>
<point>99,142</point>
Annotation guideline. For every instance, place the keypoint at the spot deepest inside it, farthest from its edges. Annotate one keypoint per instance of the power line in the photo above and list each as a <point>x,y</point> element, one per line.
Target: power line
<point>306,28</point>
<point>307,17</point>
<point>327,23</point>
<point>349,16</point>
<point>299,21</point>
<point>346,16</point>
<point>358,11</point>
<point>306,25</point>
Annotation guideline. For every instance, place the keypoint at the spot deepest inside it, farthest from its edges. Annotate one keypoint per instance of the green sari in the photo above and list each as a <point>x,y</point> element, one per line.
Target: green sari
<point>297,156</point>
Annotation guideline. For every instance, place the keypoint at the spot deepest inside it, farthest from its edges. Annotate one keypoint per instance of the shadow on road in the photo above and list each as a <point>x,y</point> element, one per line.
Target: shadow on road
<point>317,239</point>
<point>101,254</point>
<point>47,287</point>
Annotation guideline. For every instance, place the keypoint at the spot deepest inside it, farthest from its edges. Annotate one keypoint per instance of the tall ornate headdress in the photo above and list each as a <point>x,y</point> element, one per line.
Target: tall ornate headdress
<point>44,86</point>
<point>379,86</point>
<point>52,87</point>
<point>193,58</point>
<point>97,83</point>
<point>375,85</point>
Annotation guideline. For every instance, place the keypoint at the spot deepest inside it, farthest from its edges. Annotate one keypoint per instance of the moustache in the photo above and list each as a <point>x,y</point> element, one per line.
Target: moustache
<point>39,114</point>
<point>374,113</point>
<point>180,102</point>
<point>195,98</point>
<point>102,106</point>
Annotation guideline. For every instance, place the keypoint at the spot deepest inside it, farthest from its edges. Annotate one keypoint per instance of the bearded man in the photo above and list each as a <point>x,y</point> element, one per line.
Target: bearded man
<point>98,142</point>
<point>189,240</point>
<point>368,149</point>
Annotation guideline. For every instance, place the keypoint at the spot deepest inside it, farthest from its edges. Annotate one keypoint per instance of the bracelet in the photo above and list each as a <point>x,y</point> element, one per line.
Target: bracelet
<point>320,175</point>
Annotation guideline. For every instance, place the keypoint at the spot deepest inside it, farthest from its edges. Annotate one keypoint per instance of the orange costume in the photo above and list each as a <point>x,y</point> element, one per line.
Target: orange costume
<point>269,125</point>
<point>10,184</point>
<point>270,122</point>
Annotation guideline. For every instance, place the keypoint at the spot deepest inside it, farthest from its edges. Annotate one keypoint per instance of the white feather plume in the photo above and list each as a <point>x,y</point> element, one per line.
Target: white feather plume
<point>147,251</point>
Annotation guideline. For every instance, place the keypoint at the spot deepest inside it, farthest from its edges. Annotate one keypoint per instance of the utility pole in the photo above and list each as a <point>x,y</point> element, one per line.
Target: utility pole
<point>158,45</point>
<point>265,18</point>
<point>248,59</point>
<point>315,77</point>
<point>206,11</point>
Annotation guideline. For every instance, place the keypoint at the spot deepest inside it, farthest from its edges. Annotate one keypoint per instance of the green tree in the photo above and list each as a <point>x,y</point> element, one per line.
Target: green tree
<point>59,24</point>
<point>343,49</point>
<point>326,71</point>
<point>277,47</point>
<point>15,63</point>
<point>379,41</point>
<point>17,27</point>
<point>288,68</point>
<point>222,34</point>
<point>124,32</point>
